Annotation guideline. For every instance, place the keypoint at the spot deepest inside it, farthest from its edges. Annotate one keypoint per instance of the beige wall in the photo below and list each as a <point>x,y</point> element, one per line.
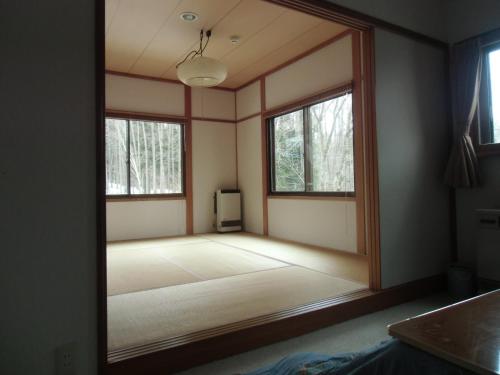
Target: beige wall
<point>142,95</point>
<point>248,100</point>
<point>214,157</point>
<point>214,167</point>
<point>250,174</point>
<point>213,103</point>
<point>321,70</point>
<point>324,223</point>
<point>145,219</point>
<point>316,222</point>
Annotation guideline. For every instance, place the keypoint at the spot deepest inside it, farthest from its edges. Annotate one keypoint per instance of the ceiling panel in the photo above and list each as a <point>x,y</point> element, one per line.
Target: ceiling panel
<point>290,25</point>
<point>304,42</point>
<point>177,37</point>
<point>133,25</point>
<point>245,20</point>
<point>148,37</point>
<point>110,11</point>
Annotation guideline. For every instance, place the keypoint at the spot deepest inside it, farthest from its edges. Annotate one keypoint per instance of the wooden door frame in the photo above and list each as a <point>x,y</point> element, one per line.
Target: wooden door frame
<point>277,327</point>
<point>367,202</point>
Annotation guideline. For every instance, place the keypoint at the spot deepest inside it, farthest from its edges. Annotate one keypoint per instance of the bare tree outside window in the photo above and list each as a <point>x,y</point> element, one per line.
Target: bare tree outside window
<point>148,152</point>
<point>289,152</point>
<point>312,149</point>
<point>116,156</point>
<point>331,139</point>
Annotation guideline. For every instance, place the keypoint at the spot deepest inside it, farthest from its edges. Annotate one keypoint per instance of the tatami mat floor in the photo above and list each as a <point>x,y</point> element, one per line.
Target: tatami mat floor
<point>169,287</point>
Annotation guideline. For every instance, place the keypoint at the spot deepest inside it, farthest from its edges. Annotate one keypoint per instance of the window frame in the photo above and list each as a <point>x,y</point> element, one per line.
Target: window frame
<point>484,111</point>
<point>304,106</point>
<point>150,118</point>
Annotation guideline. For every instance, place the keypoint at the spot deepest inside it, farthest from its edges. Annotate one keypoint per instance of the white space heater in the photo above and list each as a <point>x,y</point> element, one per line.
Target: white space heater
<point>228,210</point>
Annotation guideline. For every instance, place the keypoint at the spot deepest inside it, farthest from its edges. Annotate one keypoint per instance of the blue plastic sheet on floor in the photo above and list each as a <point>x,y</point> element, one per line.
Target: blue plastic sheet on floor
<point>391,357</point>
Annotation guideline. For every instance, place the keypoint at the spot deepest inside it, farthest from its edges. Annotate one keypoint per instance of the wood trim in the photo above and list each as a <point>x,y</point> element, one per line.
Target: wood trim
<point>165,80</point>
<point>488,149</point>
<point>322,45</point>
<point>371,163</point>
<point>209,119</point>
<point>169,197</point>
<point>359,157</point>
<point>190,350</point>
<point>188,179</point>
<point>236,139</point>
<point>264,153</point>
<point>100,187</point>
<point>354,19</point>
<point>145,116</point>
<point>249,117</point>
<point>309,100</point>
<point>313,197</point>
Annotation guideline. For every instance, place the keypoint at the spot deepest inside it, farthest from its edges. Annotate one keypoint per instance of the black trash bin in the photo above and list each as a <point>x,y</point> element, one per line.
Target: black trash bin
<point>462,282</point>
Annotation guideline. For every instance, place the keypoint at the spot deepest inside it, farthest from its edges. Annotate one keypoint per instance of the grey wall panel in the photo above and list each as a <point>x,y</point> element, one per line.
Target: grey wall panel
<point>47,185</point>
<point>413,137</point>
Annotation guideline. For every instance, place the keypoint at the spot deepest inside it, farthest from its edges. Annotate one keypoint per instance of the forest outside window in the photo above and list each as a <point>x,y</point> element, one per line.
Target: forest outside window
<point>489,111</point>
<point>312,149</point>
<point>143,158</point>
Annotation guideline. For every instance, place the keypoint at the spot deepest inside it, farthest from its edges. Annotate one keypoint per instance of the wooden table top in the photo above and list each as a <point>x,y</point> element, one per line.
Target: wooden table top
<point>466,333</point>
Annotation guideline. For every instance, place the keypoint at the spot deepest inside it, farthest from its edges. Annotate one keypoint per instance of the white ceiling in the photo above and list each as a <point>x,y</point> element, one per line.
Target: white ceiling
<point>147,37</point>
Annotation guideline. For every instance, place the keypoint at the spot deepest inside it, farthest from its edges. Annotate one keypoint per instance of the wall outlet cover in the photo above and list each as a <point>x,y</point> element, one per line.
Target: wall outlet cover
<point>66,356</point>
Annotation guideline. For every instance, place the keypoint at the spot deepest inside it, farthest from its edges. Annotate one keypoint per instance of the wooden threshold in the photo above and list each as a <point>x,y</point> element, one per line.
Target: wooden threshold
<point>182,352</point>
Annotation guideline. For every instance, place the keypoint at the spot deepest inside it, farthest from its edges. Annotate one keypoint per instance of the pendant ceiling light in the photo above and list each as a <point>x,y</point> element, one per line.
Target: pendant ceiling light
<point>197,70</point>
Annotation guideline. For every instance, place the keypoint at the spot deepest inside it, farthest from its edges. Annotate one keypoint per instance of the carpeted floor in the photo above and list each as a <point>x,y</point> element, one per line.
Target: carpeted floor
<point>352,335</point>
<point>164,288</point>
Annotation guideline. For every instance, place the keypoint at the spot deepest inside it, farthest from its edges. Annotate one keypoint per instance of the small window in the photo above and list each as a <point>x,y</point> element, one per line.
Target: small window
<point>312,149</point>
<point>143,157</point>
<point>494,91</point>
<point>489,110</point>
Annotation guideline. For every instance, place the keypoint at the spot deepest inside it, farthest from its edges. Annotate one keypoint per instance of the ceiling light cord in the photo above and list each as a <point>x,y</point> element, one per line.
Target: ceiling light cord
<point>201,48</point>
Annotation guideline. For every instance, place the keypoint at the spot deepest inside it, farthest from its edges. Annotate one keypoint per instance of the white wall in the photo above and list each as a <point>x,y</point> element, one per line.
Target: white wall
<point>214,167</point>
<point>248,100</point>
<point>317,72</point>
<point>305,221</point>
<point>214,156</point>
<point>48,279</point>
<point>143,95</point>
<point>413,145</point>
<point>145,219</point>
<point>250,173</point>
<point>317,222</point>
<point>310,221</point>
<point>213,103</point>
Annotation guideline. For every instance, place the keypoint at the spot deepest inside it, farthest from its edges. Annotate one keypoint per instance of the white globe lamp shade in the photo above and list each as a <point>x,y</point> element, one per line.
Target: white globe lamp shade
<point>202,72</point>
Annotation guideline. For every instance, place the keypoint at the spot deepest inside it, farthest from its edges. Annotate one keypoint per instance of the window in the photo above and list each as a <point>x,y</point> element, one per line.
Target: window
<point>143,157</point>
<point>489,110</point>
<point>312,149</point>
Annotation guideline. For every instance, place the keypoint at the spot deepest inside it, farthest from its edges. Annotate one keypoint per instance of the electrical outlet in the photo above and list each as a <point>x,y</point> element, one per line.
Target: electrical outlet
<point>66,359</point>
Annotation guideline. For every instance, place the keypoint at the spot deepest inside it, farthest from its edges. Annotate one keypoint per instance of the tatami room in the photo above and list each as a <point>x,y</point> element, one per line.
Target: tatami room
<point>250,187</point>
<point>235,198</point>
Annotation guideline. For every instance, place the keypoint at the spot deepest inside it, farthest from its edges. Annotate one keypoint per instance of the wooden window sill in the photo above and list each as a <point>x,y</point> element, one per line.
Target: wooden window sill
<point>313,197</point>
<point>488,149</point>
<point>146,198</point>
